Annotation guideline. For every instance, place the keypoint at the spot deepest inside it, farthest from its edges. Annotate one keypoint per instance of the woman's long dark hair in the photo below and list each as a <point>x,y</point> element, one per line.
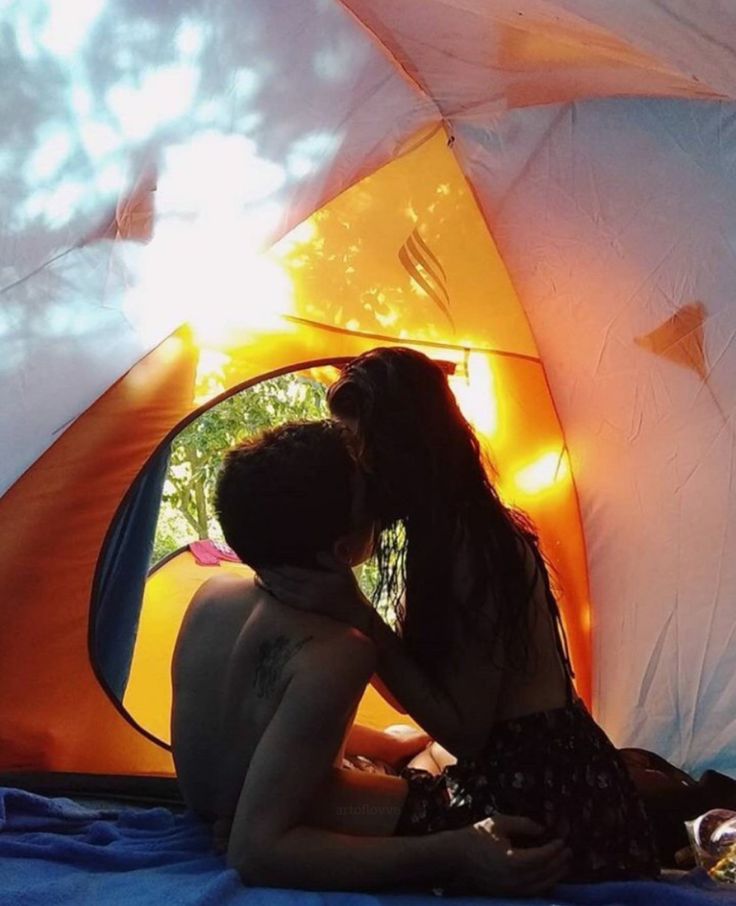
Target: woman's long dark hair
<point>427,471</point>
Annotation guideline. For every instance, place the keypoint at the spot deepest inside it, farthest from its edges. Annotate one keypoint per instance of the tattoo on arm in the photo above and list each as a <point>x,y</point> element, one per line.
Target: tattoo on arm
<point>273,655</point>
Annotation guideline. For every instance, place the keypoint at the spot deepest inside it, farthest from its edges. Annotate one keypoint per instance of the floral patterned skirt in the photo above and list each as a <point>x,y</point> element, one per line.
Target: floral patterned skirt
<point>558,768</point>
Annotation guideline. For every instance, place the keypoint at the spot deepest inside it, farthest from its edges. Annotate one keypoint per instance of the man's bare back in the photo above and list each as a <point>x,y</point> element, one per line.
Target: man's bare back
<point>237,650</point>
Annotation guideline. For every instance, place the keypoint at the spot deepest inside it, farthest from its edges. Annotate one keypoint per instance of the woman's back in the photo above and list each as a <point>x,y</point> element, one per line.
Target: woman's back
<point>543,756</point>
<point>544,681</point>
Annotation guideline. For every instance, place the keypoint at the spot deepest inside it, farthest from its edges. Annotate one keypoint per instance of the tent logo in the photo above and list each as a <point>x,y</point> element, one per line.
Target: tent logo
<point>680,339</point>
<point>424,268</point>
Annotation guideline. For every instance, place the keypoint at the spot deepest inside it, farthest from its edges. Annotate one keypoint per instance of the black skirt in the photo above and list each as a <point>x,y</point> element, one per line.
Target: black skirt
<point>559,769</point>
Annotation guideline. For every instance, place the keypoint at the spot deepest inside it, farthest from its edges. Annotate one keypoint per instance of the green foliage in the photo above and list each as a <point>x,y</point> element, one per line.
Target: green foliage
<point>196,453</point>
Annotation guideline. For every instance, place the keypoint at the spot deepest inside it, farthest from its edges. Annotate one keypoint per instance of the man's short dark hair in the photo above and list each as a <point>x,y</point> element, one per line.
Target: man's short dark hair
<point>285,496</point>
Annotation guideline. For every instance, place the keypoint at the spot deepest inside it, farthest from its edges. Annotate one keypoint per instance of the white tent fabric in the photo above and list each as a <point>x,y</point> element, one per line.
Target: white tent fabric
<point>600,140</point>
<point>477,58</point>
<point>613,216</point>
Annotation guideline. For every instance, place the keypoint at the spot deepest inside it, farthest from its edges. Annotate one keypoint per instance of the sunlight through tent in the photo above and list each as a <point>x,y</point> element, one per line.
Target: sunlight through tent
<point>198,197</point>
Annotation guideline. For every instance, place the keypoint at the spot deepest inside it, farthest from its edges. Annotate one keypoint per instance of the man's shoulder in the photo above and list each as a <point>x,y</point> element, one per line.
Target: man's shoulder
<point>226,587</point>
<point>221,595</point>
<point>337,648</point>
<point>216,614</point>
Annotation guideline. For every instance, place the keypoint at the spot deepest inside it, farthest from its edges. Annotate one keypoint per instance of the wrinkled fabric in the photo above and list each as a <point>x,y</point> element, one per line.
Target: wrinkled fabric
<point>557,768</point>
<point>56,851</point>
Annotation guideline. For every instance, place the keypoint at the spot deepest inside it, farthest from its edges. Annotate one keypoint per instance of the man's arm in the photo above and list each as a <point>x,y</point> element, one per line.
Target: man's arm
<point>446,705</point>
<point>272,845</point>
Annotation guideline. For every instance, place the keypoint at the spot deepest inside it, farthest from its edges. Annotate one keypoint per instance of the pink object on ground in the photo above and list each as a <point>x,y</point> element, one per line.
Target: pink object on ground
<point>211,553</point>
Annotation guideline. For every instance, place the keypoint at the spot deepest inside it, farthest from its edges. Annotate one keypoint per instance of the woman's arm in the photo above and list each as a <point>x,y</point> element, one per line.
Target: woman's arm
<point>455,706</point>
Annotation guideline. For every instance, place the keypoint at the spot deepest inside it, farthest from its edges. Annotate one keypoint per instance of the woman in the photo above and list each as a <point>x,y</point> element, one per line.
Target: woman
<point>480,661</point>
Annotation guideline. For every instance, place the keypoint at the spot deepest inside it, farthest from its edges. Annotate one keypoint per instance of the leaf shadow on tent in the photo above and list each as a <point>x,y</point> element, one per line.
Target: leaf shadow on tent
<point>94,100</point>
<point>348,277</point>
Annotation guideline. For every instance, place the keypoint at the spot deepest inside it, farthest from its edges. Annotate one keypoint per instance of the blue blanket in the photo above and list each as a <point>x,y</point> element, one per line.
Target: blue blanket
<point>55,851</point>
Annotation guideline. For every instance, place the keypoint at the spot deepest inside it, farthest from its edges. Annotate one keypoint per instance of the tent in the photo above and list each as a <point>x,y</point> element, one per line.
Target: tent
<point>200,195</point>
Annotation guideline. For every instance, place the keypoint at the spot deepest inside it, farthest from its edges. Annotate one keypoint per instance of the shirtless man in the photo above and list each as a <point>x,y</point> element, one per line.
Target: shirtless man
<point>264,699</point>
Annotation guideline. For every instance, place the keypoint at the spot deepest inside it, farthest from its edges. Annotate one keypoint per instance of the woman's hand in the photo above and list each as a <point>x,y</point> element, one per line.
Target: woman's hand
<point>331,591</point>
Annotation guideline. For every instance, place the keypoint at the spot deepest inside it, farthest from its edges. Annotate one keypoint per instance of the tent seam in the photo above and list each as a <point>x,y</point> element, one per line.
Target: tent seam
<point>668,67</point>
<point>431,344</point>
<point>411,79</point>
<point>408,78</point>
<point>476,198</point>
<point>425,136</point>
